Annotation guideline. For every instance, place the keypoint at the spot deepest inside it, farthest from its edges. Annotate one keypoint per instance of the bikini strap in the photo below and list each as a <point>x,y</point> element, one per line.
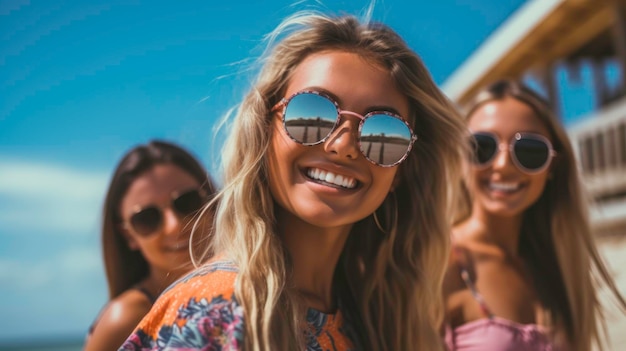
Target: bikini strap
<point>145,291</point>
<point>462,262</point>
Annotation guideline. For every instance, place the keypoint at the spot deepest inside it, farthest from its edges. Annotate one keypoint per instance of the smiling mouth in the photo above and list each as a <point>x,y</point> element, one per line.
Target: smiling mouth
<point>504,187</point>
<point>178,247</point>
<point>332,179</point>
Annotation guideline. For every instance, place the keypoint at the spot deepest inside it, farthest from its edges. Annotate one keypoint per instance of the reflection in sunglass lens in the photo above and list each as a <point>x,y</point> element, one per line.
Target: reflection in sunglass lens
<point>309,118</point>
<point>146,221</point>
<point>187,203</point>
<point>385,139</point>
<point>531,153</point>
<point>485,147</point>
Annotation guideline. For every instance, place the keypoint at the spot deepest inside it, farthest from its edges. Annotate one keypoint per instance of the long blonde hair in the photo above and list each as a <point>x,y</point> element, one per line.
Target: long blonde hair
<point>556,241</point>
<point>388,282</point>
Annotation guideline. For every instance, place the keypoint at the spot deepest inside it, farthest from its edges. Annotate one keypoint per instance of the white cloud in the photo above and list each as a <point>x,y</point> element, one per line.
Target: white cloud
<point>72,265</point>
<point>23,276</point>
<point>80,262</point>
<point>48,198</point>
<point>65,289</point>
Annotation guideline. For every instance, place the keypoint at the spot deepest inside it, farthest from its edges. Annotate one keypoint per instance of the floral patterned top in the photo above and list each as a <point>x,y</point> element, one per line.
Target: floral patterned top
<point>200,312</point>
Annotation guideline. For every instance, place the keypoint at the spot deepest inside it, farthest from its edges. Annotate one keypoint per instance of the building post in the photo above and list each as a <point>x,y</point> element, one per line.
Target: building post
<point>619,39</point>
<point>599,81</point>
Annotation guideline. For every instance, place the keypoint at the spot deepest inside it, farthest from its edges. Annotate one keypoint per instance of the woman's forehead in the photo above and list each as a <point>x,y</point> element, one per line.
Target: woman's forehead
<point>355,82</point>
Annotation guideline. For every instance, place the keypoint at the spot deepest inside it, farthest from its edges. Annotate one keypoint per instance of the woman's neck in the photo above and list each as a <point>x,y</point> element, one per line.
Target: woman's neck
<point>314,253</point>
<point>502,231</point>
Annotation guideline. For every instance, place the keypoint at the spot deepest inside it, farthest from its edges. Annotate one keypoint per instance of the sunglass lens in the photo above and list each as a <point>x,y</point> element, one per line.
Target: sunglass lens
<point>531,153</point>
<point>484,147</point>
<point>309,118</point>
<point>146,221</point>
<point>385,139</point>
<point>187,203</point>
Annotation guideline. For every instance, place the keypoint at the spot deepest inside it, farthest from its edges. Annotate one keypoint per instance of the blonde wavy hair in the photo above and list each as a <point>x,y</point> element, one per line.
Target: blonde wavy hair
<point>388,283</point>
<point>556,241</point>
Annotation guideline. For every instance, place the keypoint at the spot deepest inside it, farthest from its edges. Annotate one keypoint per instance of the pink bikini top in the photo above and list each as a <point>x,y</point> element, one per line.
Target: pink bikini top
<point>496,334</point>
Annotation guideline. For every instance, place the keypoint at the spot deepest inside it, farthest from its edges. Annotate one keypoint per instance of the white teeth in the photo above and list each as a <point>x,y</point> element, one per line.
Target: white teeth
<point>178,246</point>
<point>339,180</point>
<point>499,186</point>
<point>331,178</point>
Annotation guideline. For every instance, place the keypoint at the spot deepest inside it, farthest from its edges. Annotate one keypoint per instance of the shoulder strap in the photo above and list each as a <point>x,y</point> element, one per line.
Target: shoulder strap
<point>145,291</point>
<point>462,260</point>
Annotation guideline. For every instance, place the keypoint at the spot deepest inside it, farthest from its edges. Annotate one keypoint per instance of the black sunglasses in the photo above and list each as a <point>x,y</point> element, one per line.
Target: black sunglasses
<point>530,152</point>
<point>147,220</point>
<point>309,117</point>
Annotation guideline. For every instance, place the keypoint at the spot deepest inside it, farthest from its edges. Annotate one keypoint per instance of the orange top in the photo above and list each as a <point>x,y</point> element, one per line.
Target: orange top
<point>200,312</point>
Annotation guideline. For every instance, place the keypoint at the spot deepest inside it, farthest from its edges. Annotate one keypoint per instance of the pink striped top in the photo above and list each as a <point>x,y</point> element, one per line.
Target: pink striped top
<point>493,333</point>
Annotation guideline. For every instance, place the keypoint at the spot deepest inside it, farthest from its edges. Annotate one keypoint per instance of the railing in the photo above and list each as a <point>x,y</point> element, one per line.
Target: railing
<point>600,144</point>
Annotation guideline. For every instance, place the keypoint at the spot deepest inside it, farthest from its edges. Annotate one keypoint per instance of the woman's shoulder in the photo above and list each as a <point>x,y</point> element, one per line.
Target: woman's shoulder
<point>454,287</point>
<point>465,248</point>
<point>132,302</point>
<point>117,320</point>
<point>211,283</point>
<point>213,277</point>
<point>459,256</point>
<point>455,290</point>
<point>199,309</point>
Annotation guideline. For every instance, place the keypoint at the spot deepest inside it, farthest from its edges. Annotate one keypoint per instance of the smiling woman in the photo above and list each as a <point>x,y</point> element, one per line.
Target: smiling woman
<point>140,69</point>
<point>324,241</point>
<point>154,194</point>
<point>525,267</point>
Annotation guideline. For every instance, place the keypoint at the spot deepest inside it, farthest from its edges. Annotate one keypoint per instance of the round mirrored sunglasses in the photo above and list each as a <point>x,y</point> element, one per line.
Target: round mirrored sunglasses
<point>530,152</point>
<point>309,117</point>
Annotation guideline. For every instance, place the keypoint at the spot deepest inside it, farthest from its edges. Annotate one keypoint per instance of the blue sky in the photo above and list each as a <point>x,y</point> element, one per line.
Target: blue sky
<point>81,83</point>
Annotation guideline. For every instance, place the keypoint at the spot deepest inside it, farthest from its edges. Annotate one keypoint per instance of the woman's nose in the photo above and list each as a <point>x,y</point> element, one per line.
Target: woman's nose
<point>502,158</point>
<point>343,141</point>
<point>171,222</point>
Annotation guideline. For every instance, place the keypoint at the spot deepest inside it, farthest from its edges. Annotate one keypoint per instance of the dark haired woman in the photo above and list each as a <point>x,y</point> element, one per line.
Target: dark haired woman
<point>156,190</point>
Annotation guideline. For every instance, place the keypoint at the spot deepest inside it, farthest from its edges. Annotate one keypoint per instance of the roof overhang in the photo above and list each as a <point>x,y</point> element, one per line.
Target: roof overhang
<point>535,36</point>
